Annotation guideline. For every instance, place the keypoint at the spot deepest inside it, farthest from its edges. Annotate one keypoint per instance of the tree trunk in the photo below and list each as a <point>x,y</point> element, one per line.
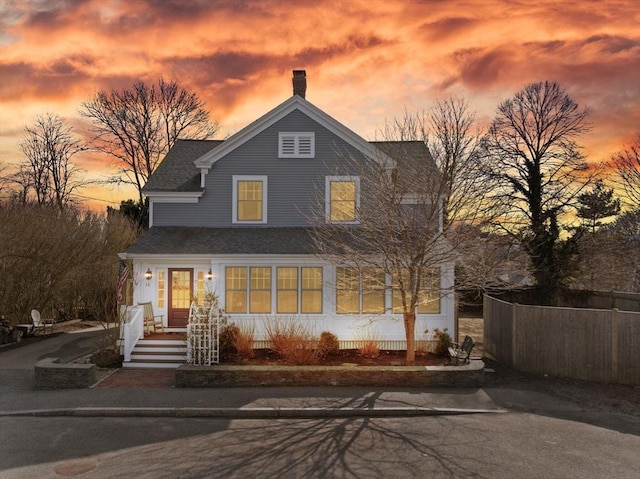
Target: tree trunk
<point>410,334</point>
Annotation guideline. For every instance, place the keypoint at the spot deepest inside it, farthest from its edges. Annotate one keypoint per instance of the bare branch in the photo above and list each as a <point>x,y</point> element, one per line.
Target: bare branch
<point>627,165</point>
<point>137,126</point>
<point>48,146</point>
<point>534,163</point>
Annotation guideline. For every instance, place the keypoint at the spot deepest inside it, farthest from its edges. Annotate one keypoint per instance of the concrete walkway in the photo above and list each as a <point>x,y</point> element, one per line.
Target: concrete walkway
<point>150,393</point>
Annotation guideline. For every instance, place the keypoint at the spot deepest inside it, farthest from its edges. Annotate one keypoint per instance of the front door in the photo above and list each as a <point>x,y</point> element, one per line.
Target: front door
<point>180,292</point>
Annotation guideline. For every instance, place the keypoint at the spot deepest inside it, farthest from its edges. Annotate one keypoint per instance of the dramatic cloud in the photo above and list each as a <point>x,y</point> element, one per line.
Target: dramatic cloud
<point>366,61</point>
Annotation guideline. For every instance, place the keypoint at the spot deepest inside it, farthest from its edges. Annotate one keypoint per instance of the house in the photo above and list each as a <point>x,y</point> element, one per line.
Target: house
<point>232,217</point>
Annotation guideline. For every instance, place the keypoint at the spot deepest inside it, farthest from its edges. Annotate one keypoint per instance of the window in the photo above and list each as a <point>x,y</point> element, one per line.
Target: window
<point>200,289</point>
<point>160,287</point>
<point>292,291</point>
<point>236,290</point>
<point>296,145</point>
<point>428,296</point>
<point>260,290</point>
<point>373,289</point>
<point>287,297</point>
<point>249,199</point>
<point>311,291</point>
<point>360,293</point>
<point>249,290</point>
<point>342,198</point>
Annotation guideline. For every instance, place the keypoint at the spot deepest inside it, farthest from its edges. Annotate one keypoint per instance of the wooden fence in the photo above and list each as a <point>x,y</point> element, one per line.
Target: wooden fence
<point>589,344</point>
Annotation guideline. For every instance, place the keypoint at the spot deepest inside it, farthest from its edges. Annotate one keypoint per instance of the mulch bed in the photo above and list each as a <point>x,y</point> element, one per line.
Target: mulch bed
<point>267,357</point>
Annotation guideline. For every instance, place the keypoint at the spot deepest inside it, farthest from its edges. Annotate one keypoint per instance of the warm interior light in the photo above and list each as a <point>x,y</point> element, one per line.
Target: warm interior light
<point>148,274</point>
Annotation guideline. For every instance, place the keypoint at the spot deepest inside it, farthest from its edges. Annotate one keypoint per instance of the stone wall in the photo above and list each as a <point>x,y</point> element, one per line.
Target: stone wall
<point>51,374</point>
<point>468,376</point>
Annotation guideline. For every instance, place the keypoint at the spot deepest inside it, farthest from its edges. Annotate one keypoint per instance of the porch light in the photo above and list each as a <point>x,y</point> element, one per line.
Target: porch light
<point>209,275</point>
<point>148,274</point>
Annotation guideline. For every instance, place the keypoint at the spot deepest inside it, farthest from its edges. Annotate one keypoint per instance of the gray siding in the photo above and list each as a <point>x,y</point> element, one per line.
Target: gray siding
<point>293,184</point>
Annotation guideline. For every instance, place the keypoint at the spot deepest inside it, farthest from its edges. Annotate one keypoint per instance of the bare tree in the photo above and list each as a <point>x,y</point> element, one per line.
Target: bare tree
<point>48,146</point>
<point>398,228</point>
<point>627,165</point>
<point>53,259</point>
<point>537,171</point>
<point>137,126</point>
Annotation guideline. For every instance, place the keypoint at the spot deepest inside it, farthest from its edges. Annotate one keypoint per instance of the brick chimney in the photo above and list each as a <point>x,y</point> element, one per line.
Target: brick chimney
<point>300,82</point>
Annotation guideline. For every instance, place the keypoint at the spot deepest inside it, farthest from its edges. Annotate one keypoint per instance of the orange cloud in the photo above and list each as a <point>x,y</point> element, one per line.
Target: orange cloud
<point>366,61</point>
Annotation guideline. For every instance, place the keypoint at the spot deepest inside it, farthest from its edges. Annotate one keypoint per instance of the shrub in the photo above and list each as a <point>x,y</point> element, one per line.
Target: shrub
<point>328,345</point>
<point>228,334</point>
<point>368,348</point>
<point>444,342</point>
<point>292,340</point>
<point>243,341</point>
<point>106,358</point>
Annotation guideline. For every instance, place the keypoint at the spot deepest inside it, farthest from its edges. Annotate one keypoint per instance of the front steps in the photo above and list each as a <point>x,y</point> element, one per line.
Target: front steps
<point>158,353</point>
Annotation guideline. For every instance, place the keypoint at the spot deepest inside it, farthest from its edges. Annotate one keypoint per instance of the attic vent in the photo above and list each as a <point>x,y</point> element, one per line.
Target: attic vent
<point>296,145</point>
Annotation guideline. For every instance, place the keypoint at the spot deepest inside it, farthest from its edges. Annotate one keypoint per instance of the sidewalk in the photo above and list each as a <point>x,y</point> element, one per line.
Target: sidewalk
<point>150,392</point>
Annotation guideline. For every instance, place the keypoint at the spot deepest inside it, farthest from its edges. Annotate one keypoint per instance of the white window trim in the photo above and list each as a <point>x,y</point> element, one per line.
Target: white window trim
<point>268,263</point>
<point>327,198</point>
<point>297,135</point>
<point>234,206</point>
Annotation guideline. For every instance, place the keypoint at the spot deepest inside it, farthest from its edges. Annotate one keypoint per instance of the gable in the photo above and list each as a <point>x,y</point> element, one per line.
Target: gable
<point>294,103</point>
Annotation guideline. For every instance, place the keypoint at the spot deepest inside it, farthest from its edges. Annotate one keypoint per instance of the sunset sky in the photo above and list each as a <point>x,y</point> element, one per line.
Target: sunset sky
<point>366,60</point>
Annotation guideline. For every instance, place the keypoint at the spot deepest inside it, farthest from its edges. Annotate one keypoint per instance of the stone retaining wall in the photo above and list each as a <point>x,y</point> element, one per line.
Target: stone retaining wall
<point>468,376</point>
<point>51,374</point>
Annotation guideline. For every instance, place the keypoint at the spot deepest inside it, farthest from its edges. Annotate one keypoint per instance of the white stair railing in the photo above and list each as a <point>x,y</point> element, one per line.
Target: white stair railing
<point>132,324</point>
<point>203,335</point>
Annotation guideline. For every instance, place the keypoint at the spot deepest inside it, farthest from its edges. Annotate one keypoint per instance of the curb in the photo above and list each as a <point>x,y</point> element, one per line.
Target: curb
<point>249,413</point>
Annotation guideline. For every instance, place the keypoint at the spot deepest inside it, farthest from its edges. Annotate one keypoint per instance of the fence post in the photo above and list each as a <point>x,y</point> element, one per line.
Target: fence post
<point>614,344</point>
<point>514,321</point>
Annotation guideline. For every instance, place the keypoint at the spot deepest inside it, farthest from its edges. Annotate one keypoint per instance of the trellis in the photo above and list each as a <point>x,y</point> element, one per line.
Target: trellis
<point>203,335</point>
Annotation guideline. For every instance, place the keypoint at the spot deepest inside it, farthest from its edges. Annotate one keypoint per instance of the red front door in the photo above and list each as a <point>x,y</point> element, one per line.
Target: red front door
<point>180,293</point>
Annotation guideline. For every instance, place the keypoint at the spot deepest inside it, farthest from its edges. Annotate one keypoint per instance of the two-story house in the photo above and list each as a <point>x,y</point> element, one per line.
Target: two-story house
<point>233,217</point>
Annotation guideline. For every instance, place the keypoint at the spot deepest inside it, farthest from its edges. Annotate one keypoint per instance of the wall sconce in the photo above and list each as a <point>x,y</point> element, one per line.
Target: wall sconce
<point>148,274</point>
<point>209,275</point>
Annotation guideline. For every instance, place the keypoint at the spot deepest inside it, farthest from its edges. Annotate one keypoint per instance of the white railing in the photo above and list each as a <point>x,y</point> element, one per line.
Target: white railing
<point>203,336</point>
<point>132,327</point>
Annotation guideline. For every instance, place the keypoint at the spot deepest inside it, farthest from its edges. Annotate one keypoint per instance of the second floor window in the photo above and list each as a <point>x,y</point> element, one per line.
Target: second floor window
<point>249,199</point>
<point>342,198</point>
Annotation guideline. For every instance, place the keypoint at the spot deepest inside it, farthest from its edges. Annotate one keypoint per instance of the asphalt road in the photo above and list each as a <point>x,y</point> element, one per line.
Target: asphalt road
<point>512,445</point>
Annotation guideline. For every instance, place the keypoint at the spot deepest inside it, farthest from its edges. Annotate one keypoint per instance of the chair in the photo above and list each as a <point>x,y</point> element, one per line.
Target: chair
<point>461,352</point>
<point>39,323</point>
<point>151,321</point>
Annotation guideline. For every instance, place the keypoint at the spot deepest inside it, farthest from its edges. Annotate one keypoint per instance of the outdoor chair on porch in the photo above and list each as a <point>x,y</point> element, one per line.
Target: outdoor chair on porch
<point>152,322</point>
<point>39,323</point>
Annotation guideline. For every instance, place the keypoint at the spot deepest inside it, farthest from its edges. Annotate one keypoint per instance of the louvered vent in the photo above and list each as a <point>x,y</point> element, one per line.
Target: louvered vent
<point>305,145</point>
<point>296,145</point>
<point>288,145</point>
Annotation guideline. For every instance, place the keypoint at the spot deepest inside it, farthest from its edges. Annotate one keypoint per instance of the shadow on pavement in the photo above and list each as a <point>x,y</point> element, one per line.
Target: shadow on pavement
<point>612,406</point>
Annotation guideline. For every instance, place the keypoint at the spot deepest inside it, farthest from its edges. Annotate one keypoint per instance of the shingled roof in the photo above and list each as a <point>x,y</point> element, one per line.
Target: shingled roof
<point>177,172</point>
<point>411,157</point>
<point>209,241</point>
